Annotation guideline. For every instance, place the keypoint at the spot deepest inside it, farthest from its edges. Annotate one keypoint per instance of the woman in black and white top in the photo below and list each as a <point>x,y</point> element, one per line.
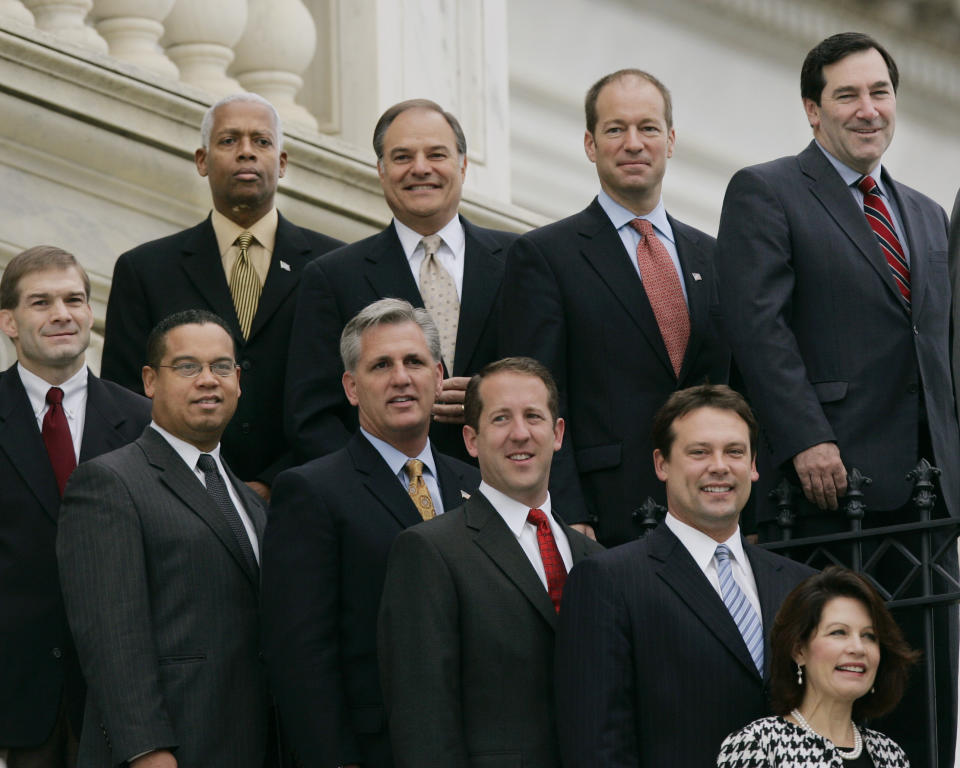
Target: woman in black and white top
<point>838,657</point>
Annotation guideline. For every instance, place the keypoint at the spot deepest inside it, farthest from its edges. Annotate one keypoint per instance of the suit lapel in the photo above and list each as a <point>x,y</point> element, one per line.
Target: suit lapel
<point>388,271</point>
<point>827,186</point>
<point>453,488</point>
<point>186,486</point>
<point>482,275</point>
<point>678,570</point>
<point>291,253</point>
<point>604,251</point>
<point>253,504</point>
<point>500,545</point>
<point>766,570</point>
<point>696,268</point>
<point>381,482</point>
<point>916,243</point>
<point>101,423</point>
<point>21,441</point>
<point>201,261</point>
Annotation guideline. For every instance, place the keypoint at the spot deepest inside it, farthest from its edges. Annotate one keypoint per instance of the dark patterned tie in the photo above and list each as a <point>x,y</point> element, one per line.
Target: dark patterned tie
<point>56,436</point>
<point>552,561</point>
<point>662,284</point>
<point>218,492</point>
<point>880,221</point>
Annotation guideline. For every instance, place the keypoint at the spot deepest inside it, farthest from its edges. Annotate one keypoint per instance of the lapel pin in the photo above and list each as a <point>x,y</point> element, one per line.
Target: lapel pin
<point>464,494</point>
<point>286,267</point>
<point>696,275</point>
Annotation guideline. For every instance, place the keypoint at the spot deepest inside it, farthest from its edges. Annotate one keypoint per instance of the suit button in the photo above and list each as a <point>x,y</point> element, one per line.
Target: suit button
<point>246,365</point>
<point>913,389</point>
<point>916,331</point>
<point>245,428</point>
<point>56,653</point>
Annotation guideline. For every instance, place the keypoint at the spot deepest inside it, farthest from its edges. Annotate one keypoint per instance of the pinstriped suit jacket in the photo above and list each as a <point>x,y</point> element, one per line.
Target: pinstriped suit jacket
<point>164,611</point>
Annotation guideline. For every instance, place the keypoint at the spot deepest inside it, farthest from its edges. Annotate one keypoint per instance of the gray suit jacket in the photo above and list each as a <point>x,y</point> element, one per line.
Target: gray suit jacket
<point>164,611</point>
<point>465,645</point>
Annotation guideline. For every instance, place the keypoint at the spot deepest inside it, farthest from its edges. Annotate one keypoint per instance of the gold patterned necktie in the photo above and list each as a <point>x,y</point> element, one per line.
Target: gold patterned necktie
<point>439,294</point>
<point>245,286</point>
<point>418,489</point>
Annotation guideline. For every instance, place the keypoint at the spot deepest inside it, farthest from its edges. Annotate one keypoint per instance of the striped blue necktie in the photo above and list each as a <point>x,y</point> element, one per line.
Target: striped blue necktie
<point>740,608</point>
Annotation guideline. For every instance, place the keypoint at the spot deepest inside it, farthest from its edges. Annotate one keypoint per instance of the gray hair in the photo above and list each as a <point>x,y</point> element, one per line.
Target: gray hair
<point>206,125</point>
<point>386,312</point>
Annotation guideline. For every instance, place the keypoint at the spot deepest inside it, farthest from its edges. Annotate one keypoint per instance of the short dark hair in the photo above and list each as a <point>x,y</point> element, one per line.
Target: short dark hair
<point>797,621</point>
<point>397,109</point>
<point>526,366</point>
<point>830,51</point>
<point>157,340</point>
<point>590,102</point>
<point>683,401</point>
<point>36,259</point>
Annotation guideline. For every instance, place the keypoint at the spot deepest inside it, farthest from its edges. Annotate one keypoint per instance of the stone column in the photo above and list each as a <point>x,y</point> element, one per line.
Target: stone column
<point>132,29</point>
<point>14,10</point>
<point>277,45</point>
<point>65,19</point>
<point>200,36</point>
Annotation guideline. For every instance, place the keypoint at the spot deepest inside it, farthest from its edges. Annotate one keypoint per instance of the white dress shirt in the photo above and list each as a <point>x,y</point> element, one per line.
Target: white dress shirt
<point>190,453</point>
<point>703,550</point>
<point>74,401</point>
<point>514,514</point>
<point>621,217</point>
<point>397,461</point>
<point>450,254</point>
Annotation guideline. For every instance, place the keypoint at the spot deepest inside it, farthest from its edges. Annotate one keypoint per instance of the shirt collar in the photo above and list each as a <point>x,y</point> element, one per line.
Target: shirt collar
<point>451,233</point>
<point>850,176</point>
<point>227,231</point>
<point>701,547</point>
<point>37,388</point>
<point>513,512</point>
<point>187,451</point>
<point>396,459</point>
<point>621,216</point>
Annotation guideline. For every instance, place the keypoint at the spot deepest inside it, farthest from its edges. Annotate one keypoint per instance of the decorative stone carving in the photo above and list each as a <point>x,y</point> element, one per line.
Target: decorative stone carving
<point>65,19</point>
<point>132,29</point>
<point>200,37</point>
<point>13,9</point>
<point>277,45</point>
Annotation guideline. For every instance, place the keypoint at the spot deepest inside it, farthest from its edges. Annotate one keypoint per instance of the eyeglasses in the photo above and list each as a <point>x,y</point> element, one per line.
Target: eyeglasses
<point>191,369</point>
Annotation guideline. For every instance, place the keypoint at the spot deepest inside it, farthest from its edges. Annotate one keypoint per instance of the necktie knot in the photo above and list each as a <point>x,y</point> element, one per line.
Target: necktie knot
<point>867,185</point>
<point>54,396</point>
<point>643,226</point>
<point>414,469</point>
<point>723,552</point>
<point>244,241</point>
<point>537,518</point>
<point>431,244</point>
<point>206,463</point>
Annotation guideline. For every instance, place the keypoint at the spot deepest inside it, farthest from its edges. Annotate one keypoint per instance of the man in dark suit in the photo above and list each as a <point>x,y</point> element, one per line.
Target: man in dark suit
<point>835,289</point>
<point>252,282</point>
<point>470,602</point>
<point>53,413</point>
<point>332,522</point>
<point>428,255</point>
<point>651,667</point>
<point>619,302</point>
<point>158,547</point>
<point>954,261</point>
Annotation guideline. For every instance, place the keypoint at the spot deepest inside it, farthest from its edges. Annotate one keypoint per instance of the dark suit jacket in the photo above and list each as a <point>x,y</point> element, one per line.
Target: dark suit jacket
<point>466,637</point>
<point>572,300</point>
<point>651,669</point>
<point>954,259</point>
<point>184,271</point>
<point>37,657</point>
<point>332,522</point>
<point>164,610</point>
<point>319,419</point>
<point>827,349</point>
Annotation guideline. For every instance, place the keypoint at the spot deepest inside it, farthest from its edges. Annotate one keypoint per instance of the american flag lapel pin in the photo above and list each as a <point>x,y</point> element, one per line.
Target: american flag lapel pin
<point>696,276</point>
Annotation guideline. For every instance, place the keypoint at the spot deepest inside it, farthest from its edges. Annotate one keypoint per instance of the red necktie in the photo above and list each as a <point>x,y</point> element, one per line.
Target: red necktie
<point>878,217</point>
<point>662,284</point>
<point>552,562</point>
<point>56,436</point>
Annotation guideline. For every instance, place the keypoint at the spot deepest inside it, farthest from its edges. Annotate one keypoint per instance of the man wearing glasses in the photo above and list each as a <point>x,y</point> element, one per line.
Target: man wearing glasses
<point>159,548</point>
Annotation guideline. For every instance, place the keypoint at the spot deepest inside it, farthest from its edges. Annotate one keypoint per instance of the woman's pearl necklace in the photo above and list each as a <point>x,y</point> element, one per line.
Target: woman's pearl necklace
<point>846,754</point>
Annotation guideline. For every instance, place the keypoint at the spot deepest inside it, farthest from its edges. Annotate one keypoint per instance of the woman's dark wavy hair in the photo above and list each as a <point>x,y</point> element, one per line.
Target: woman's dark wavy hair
<point>798,619</point>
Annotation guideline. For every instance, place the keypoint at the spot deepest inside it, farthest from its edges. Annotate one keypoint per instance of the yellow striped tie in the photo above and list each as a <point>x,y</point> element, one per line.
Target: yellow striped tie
<point>245,286</point>
<point>418,489</point>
